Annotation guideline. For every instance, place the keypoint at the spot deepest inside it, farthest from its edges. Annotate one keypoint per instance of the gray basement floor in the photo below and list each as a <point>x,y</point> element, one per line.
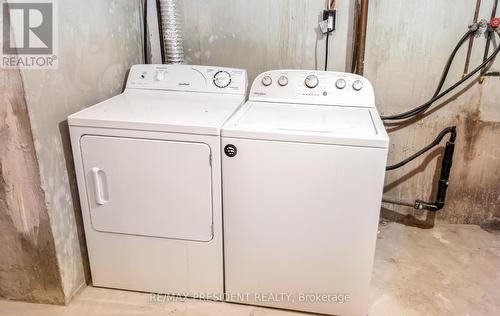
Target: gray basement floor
<point>448,270</point>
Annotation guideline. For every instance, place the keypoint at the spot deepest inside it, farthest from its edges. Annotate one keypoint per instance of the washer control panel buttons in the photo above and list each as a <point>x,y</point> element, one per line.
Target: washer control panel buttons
<point>357,85</point>
<point>340,84</point>
<point>266,81</point>
<point>283,81</point>
<point>312,87</point>
<point>311,81</point>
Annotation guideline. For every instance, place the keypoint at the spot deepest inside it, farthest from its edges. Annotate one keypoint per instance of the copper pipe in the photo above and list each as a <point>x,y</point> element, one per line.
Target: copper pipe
<point>361,38</point>
<point>471,40</point>
<point>489,34</point>
<point>354,44</point>
<point>330,4</point>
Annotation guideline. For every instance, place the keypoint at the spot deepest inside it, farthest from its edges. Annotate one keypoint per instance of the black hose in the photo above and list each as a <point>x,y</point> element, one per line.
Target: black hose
<point>420,109</point>
<point>434,143</point>
<point>446,69</point>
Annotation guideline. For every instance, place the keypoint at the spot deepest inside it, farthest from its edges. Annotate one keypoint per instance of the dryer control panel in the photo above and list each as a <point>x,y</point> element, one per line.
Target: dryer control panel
<point>313,87</point>
<point>188,78</point>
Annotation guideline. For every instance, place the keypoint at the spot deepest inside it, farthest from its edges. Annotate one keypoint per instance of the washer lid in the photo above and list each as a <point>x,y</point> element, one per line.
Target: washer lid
<point>308,123</point>
<point>163,111</point>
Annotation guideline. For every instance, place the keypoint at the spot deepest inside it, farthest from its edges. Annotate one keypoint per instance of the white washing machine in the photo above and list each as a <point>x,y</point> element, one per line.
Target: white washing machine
<point>302,172</point>
<point>148,169</point>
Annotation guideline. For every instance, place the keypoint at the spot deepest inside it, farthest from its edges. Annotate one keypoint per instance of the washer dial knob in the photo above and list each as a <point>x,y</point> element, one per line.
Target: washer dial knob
<point>340,84</point>
<point>222,79</point>
<point>283,81</point>
<point>266,81</point>
<point>357,85</point>
<point>311,81</point>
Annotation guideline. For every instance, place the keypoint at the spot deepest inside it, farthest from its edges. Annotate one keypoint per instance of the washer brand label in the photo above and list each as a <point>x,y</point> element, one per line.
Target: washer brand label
<point>230,150</point>
<point>184,84</point>
<point>29,34</point>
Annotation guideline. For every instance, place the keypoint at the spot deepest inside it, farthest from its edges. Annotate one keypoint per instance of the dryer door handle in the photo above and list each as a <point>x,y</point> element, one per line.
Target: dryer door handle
<point>98,192</point>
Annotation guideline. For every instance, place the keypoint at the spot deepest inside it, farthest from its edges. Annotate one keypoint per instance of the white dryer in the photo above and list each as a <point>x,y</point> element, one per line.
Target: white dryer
<point>148,169</point>
<point>303,171</point>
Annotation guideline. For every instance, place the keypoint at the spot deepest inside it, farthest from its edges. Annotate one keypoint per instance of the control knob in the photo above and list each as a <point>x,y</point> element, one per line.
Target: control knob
<point>311,81</point>
<point>160,76</point>
<point>357,85</point>
<point>266,81</point>
<point>340,84</point>
<point>283,81</point>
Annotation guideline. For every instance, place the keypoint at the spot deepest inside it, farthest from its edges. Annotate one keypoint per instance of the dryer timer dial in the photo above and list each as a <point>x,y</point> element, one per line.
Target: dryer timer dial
<point>222,79</point>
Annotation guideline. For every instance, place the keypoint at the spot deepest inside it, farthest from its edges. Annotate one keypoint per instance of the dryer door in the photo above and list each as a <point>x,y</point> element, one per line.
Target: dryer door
<point>149,187</point>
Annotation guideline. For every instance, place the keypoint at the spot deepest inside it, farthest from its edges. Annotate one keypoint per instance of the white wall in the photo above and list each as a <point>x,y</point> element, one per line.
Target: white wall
<point>98,42</point>
<point>260,35</point>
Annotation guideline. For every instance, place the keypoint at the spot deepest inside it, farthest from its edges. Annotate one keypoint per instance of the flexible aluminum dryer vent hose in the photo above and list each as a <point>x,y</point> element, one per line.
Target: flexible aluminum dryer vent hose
<point>172,31</point>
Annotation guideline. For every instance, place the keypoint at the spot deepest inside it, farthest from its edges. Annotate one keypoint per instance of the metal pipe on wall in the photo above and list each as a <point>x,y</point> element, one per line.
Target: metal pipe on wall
<point>361,38</point>
<point>490,35</point>
<point>471,40</point>
<point>172,31</point>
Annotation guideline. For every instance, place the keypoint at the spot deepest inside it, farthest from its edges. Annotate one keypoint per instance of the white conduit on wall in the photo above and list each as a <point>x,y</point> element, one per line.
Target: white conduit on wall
<point>172,31</point>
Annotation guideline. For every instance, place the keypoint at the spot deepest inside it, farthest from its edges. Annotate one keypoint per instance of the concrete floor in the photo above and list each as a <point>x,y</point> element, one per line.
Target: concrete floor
<point>447,270</point>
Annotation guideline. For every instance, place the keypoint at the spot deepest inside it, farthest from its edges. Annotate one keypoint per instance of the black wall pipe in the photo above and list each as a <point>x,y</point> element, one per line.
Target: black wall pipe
<point>444,177</point>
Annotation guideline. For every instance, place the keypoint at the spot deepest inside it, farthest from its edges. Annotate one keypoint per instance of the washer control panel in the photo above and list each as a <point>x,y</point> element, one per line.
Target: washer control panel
<point>313,87</point>
<point>188,78</point>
